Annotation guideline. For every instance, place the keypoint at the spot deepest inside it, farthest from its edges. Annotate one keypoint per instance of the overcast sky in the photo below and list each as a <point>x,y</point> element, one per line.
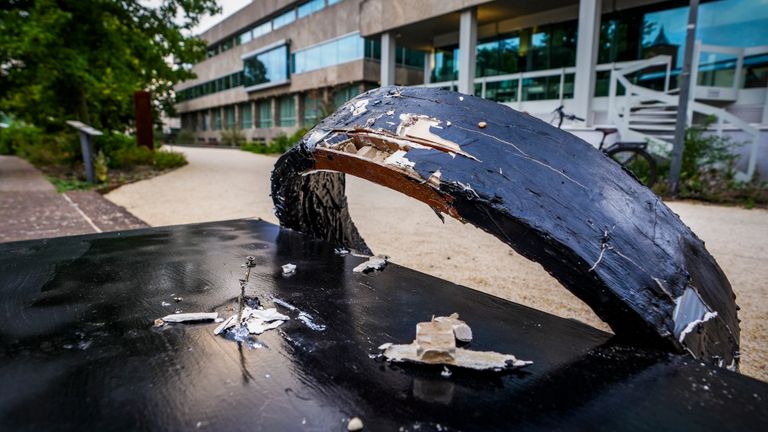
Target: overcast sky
<point>228,8</point>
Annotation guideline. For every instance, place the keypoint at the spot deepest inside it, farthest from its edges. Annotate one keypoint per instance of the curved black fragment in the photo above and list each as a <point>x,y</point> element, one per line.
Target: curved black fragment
<point>551,196</point>
<point>313,204</point>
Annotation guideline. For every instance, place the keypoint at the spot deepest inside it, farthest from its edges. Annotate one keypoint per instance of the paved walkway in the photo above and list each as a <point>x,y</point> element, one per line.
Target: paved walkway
<point>30,208</point>
<point>224,184</point>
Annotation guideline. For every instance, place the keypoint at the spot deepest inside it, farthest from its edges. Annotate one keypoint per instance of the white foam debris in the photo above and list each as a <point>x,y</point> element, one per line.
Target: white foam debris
<point>306,319</point>
<point>227,323</point>
<point>436,344</point>
<point>284,304</point>
<point>270,314</point>
<point>289,269</point>
<point>259,327</point>
<point>692,325</point>
<point>192,316</point>
<point>399,160</point>
<point>355,424</point>
<point>434,179</point>
<point>374,263</point>
<point>461,330</point>
<point>255,321</point>
<point>359,107</point>
<point>446,373</point>
<point>309,321</point>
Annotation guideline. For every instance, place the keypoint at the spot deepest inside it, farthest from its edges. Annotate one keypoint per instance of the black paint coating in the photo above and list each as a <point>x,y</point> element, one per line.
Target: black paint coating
<point>78,350</point>
<point>549,195</point>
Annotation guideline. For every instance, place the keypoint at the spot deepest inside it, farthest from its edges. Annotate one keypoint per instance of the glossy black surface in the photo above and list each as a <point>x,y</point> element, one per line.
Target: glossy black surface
<point>78,350</point>
<point>552,197</point>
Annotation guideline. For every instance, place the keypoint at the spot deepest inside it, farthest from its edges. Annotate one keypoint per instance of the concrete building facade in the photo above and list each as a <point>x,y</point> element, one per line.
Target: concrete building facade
<point>277,65</point>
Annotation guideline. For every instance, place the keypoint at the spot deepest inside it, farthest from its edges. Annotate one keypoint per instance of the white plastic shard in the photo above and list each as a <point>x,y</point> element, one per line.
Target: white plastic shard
<point>270,314</point>
<point>359,107</point>
<point>436,344</point>
<point>193,316</point>
<point>374,263</point>
<point>257,321</point>
<point>289,269</point>
<point>461,330</point>
<point>399,160</point>
<point>419,127</point>
<point>259,327</point>
<point>227,323</point>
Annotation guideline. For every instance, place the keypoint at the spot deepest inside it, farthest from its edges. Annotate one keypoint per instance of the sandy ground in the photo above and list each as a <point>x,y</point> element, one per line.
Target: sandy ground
<point>227,184</point>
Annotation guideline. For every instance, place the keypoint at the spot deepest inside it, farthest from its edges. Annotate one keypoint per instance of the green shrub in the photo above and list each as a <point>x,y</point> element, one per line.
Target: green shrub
<point>232,137</point>
<point>185,136</point>
<point>707,171</point>
<point>39,148</point>
<point>66,185</point>
<point>280,144</point>
<point>165,159</point>
<point>127,157</point>
<point>100,167</point>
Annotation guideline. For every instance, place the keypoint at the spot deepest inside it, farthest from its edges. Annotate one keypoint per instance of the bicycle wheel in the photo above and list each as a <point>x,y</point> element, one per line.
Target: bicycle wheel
<point>636,161</point>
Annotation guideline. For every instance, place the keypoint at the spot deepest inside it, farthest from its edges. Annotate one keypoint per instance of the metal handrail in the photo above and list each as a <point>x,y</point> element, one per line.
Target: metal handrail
<point>618,77</point>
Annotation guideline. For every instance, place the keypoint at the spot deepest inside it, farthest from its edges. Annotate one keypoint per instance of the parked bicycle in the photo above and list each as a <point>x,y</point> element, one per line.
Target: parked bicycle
<point>632,156</point>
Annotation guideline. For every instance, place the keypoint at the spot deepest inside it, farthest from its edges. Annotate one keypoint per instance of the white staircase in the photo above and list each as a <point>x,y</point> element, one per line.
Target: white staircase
<point>643,114</point>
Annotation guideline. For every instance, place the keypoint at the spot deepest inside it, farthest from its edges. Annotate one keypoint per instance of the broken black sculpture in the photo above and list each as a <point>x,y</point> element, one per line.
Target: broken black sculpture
<point>549,195</point>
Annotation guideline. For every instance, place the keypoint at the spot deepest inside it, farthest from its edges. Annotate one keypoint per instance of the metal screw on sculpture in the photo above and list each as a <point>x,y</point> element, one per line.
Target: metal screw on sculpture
<point>549,195</point>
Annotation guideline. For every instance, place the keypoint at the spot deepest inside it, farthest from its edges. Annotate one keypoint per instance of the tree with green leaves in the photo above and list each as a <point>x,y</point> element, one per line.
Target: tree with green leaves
<point>84,59</point>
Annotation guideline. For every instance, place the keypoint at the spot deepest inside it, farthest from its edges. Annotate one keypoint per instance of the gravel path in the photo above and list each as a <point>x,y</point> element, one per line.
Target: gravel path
<point>226,184</point>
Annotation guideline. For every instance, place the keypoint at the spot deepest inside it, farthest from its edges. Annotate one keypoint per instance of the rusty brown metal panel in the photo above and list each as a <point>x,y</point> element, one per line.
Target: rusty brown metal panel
<point>142,108</point>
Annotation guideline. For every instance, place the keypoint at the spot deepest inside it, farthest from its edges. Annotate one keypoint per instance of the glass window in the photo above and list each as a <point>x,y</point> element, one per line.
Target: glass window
<point>341,96</point>
<point>268,67</point>
<point>265,114</point>
<point>501,91</point>
<point>245,37</point>
<point>262,29</point>
<point>538,48</point>
<point>206,122</point>
<point>310,7</point>
<point>446,61</point>
<point>312,109</point>
<point>287,107</point>
<point>498,57</point>
<point>216,119</point>
<point>246,116</point>
<point>755,71</point>
<point>409,57</point>
<point>230,114</point>
<point>227,44</point>
<point>284,19</point>
<point>660,30</point>
<point>327,54</point>
<point>330,2</point>
<point>373,48</point>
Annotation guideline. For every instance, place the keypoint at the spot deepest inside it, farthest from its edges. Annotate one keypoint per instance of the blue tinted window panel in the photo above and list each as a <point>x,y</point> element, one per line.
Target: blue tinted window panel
<point>268,67</point>
<point>310,7</point>
<point>284,19</point>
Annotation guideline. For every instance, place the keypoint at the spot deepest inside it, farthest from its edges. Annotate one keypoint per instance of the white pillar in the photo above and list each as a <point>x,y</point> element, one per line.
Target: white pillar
<point>467,46</point>
<point>765,108</point>
<point>387,59</point>
<point>427,67</point>
<point>586,57</point>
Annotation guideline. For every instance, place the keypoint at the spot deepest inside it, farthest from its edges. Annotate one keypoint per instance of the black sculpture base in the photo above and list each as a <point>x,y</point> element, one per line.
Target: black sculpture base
<point>78,350</point>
